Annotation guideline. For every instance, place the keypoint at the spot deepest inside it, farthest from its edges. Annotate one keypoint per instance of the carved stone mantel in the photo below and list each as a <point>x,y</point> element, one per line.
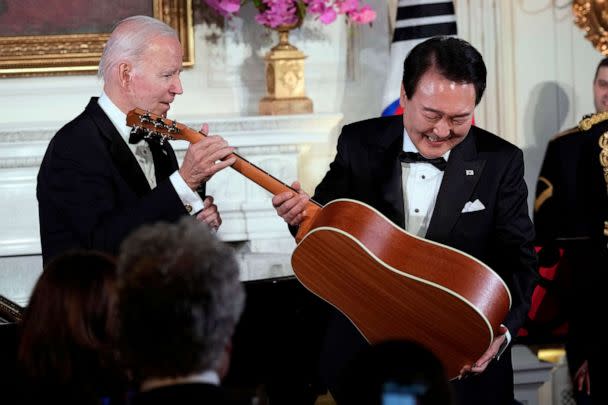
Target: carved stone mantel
<point>278,144</point>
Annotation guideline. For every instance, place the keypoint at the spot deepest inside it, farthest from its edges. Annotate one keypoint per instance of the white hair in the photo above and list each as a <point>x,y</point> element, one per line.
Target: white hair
<point>129,39</point>
<point>182,275</point>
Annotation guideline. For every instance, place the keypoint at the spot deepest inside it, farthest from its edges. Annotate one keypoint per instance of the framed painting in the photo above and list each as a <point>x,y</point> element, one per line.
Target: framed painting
<point>39,38</point>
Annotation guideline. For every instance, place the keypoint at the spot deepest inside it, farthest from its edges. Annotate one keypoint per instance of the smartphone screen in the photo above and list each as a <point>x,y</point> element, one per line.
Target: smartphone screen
<point>398,394</point>
<point>398,398</point>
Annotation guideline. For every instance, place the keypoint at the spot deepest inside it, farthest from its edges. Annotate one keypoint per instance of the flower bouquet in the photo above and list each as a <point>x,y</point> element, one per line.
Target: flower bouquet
<point>276,13</point>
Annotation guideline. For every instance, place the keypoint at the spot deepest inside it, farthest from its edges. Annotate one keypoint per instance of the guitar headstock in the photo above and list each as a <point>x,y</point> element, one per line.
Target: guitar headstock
<point>155,126</point>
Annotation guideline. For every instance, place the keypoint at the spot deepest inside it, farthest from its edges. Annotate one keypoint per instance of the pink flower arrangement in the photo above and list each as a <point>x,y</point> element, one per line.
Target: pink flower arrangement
<point>274,13</point>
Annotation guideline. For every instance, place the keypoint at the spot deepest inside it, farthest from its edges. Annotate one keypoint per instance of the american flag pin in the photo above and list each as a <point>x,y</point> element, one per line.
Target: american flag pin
<point>469,172</point>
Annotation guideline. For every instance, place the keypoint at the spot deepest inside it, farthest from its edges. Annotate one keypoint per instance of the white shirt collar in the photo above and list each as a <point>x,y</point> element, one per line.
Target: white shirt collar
<point>118,118</point>
<point>207,377</point>
<point>408,145</point>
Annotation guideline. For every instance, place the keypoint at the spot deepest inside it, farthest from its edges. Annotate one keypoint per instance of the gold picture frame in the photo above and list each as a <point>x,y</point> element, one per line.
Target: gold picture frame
<point>44,55</point>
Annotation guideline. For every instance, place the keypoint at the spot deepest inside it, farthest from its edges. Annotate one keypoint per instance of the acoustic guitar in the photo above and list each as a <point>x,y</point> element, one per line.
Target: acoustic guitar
<point>389,283</point>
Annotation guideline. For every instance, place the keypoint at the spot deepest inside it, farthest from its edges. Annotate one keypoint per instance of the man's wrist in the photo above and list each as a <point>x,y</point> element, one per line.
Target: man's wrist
<point>193,203</point>
<point>191,185</point>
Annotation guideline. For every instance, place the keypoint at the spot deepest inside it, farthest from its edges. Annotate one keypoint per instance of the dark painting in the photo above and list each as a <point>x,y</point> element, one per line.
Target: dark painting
<point>58,17</point>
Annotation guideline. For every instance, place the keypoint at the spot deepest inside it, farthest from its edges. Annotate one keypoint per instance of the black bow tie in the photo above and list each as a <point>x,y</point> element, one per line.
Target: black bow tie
<point>136,136</point>
<point>415,157</point>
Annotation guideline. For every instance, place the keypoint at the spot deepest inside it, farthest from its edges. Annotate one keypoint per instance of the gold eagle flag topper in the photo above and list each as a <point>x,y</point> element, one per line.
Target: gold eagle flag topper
<point>592,17</point>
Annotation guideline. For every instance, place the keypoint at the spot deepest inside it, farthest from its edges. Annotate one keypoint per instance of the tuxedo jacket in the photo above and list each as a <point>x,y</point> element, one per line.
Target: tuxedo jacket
<point>482,167</point>
<point>92,192</point>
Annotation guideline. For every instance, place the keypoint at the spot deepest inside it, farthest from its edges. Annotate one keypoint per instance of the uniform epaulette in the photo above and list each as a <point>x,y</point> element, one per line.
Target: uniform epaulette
<point>568,131</point>
<point>591,119</point>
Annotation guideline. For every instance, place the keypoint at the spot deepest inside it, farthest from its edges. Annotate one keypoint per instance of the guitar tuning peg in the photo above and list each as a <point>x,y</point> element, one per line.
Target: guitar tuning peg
<point>145,118</point>
<point>173,128</point>
<point>158,123</point>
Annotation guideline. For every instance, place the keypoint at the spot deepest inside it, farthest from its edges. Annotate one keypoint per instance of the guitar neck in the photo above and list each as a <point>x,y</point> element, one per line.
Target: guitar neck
<point>157,126</point>
<point>243,166</point>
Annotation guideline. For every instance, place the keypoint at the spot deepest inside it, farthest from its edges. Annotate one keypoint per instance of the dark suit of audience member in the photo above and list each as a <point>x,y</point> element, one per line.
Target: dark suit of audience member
<point>180,299</point>
<point>570,213</point>
<point>93,186</point>
<point>67,344</point>
<point>477,205</point>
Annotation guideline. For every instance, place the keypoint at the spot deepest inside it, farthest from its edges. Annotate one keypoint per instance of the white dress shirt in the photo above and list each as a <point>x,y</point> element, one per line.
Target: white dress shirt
<point>420,183</point>
<point>143,155</point>
<point>207,377</point>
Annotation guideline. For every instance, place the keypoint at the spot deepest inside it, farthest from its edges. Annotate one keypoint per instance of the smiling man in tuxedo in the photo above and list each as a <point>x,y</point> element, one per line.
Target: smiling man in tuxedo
<point>435,175</point>
<point>96,183</point>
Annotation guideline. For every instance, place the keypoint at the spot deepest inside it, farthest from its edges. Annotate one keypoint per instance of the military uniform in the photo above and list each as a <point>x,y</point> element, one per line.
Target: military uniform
<point>570,215</point>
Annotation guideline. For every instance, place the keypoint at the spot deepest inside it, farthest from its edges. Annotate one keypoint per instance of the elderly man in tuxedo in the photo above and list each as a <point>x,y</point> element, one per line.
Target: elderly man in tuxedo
<point>94,186</point>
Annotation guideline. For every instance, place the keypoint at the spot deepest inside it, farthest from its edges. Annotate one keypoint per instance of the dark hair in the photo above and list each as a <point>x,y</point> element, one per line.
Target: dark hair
<point>67,329</point>
<point>402,365</point>
<point>179,299</point>
<point>603,63</point>
<point>454,58</point>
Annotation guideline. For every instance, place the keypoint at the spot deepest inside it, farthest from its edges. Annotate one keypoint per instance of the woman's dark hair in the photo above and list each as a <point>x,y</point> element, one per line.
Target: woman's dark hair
<point>67,332</point>
<point>453,58</point>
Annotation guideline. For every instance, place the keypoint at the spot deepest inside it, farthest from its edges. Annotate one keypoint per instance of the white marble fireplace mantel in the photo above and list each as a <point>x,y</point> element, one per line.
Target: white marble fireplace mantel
<point>288,147</point>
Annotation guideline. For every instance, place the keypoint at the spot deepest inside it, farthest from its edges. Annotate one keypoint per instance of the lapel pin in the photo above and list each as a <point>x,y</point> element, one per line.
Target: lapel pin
<point>469,172</point>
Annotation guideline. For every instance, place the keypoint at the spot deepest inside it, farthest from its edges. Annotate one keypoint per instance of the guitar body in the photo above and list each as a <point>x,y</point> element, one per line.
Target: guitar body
<point>391,284</point>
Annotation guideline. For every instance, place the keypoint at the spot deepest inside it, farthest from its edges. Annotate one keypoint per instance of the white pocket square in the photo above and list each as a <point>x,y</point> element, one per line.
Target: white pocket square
<point>472,206</point>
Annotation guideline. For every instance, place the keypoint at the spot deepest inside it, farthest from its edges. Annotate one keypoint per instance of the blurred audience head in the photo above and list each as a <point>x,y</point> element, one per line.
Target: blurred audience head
<point>180,299</point>
<point>396,372</point>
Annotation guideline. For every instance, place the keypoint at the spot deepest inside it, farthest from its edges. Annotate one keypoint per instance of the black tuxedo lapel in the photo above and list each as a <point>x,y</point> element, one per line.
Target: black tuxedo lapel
<point>386,169</point>
<point>122,156</point>
<point>128,167</point>
<point>172,157</point>
<point>461,175</point>
<point>164,159</point>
